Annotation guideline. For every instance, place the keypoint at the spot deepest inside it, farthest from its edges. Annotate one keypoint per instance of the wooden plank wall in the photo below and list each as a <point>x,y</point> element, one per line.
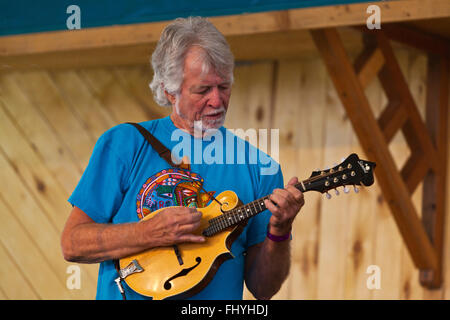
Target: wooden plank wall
<point>50,120</point>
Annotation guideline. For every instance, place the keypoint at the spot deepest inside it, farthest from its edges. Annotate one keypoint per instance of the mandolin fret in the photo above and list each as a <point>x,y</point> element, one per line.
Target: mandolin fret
<point>235,216</point>
<point>239,214</point>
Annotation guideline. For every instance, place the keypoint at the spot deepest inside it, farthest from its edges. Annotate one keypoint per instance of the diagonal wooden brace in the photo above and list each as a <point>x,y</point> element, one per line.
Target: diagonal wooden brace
<point>421,239</point>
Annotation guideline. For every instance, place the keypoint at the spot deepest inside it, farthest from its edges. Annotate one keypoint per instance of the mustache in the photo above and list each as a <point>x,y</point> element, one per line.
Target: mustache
<point>221,109</point>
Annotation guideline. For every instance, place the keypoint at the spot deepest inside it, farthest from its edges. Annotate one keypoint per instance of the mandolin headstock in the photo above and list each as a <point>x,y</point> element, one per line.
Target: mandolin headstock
<point>352,171</point>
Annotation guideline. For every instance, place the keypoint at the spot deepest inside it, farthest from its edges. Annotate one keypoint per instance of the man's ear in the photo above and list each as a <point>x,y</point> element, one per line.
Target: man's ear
<point>170,97</point>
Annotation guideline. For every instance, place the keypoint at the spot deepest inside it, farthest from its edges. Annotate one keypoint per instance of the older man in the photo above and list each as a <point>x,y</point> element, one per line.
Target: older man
<point>126,179</point>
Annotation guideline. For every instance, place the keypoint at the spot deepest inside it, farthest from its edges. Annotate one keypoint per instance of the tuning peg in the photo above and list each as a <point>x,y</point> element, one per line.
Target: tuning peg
<point>336,191</point>
<point>328,195</point>
<point>346,190</point>
<point>355,189</point>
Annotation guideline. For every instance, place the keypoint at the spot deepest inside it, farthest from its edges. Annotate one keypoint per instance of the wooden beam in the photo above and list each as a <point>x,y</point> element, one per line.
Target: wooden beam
<point>242,24</point>
<point>414,37</point>
<point>434,185</point>
<point>415,131</point>
<point>368,64</point>
<point>261,46</point>
<point>372,140</point>
<point>392,119</point>
<point>414,170</point>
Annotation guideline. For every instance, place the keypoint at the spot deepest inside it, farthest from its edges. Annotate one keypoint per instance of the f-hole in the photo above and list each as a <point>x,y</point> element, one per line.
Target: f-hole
<point>182,273</point>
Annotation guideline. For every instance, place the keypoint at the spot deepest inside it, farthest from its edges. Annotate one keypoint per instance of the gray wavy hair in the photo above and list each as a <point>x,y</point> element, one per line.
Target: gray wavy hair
<point>168,58</point>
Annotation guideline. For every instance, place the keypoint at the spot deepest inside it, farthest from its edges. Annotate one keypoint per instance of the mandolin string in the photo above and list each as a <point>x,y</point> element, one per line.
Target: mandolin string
<point>221,222</point>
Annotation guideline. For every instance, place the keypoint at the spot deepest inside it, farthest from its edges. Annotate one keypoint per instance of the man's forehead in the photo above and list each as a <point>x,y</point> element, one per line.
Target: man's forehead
<point>201,77</point>
<point>207,81</point>
<point>196,68</point>
<point>195,56</point>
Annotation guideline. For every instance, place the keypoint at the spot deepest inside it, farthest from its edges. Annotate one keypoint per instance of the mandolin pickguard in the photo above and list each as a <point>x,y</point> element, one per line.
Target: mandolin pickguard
<point>164,277</point>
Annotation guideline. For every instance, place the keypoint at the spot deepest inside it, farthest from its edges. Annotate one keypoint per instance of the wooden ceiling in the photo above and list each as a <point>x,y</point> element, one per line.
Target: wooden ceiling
<point>258,36</point>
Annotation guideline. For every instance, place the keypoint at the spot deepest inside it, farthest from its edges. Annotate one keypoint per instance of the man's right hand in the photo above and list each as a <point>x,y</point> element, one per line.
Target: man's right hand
<point>172,225</point>
<point>85,241</point>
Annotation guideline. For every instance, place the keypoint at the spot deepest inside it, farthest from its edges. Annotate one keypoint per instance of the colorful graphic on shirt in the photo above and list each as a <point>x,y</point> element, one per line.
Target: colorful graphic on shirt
<point>171,187</point>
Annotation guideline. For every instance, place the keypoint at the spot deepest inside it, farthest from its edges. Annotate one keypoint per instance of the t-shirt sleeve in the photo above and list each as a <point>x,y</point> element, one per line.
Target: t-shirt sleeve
<point>258,225</point>
<point>100,191</point>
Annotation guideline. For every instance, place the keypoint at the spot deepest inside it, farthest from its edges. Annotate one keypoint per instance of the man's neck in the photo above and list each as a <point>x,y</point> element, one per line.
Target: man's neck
<point>185,125</point>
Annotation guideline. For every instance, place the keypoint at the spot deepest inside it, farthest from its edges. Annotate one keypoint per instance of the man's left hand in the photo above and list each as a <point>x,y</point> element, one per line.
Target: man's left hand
<point>284,205</point>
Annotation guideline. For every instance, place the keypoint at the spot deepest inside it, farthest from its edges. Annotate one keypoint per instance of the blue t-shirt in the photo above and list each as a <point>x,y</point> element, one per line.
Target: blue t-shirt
<point>126,179</point>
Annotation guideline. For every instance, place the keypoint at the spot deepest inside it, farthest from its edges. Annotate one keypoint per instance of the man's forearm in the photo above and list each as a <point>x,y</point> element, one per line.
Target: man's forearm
<point>86,241</point>
<point>95,242</point>
<point>268,269</point>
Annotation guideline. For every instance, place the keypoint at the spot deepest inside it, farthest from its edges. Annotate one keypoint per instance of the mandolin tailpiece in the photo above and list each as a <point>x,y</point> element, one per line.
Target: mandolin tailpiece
<point>133,267</point>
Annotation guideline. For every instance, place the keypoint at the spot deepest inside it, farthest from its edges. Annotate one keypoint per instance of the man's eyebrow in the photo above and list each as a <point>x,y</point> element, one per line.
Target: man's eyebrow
<point>199,87</point>
<point>207,86</point>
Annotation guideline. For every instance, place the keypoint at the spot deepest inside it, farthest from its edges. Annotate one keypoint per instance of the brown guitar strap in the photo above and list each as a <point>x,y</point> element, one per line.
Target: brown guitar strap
<point>162,150</point>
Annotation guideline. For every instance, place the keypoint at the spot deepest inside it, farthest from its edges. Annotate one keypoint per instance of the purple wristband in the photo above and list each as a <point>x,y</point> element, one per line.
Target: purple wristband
<point>278,238</point>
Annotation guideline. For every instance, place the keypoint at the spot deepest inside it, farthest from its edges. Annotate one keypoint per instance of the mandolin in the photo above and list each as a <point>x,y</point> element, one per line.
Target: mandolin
<point>183,270</point>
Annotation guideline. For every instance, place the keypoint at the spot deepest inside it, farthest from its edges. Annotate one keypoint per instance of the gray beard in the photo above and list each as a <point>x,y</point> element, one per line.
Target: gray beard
<point>202,125</point>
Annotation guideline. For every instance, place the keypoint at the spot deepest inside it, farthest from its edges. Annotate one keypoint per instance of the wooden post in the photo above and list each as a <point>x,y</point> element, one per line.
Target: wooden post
<point>434,186</point>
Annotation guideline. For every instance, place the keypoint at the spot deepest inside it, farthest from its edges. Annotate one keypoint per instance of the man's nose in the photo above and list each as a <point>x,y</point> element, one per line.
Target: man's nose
<point>214,98</point>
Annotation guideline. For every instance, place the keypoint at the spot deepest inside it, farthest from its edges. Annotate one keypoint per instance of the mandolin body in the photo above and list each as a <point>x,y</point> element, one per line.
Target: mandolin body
<point>163,276</point>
